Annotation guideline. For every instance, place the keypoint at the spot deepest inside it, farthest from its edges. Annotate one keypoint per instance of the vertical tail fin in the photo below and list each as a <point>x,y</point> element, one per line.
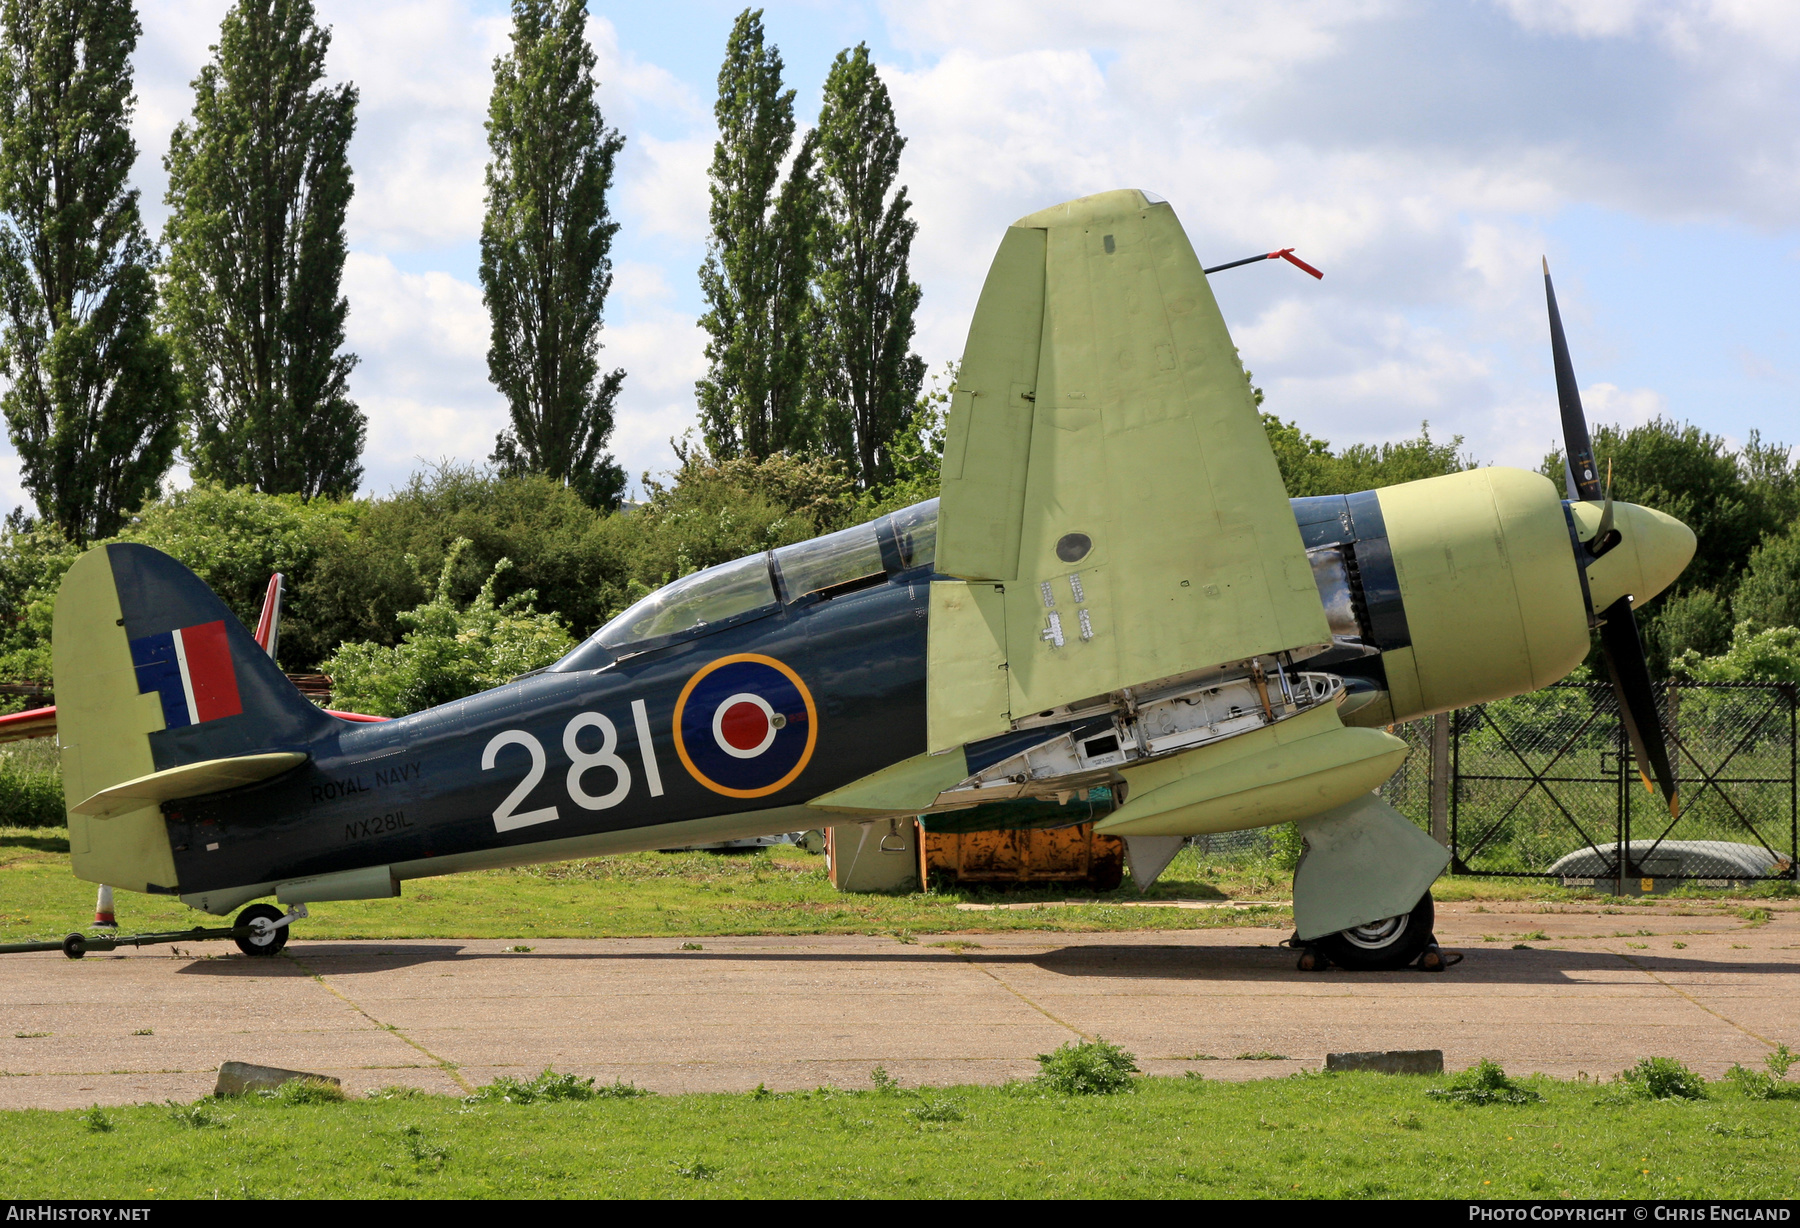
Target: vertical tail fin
<point>153,672</point>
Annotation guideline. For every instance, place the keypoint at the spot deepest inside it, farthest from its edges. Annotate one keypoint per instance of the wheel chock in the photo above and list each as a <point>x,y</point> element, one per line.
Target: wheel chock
<point>1435,959</point>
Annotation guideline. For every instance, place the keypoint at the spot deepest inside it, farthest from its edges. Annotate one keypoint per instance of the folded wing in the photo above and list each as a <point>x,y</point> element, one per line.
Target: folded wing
<point>1109,494</point>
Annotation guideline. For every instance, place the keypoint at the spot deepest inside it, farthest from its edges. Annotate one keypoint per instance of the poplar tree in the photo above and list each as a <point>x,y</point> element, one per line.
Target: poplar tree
<point>866,369</point>
<point>756,398</point>
<point>90,402</point>
<point>546,253</point>
<point>259,181</point>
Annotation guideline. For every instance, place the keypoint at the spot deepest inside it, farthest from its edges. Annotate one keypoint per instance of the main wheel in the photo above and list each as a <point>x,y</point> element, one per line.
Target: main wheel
<point>267,938</point>
<point>1392,942</point>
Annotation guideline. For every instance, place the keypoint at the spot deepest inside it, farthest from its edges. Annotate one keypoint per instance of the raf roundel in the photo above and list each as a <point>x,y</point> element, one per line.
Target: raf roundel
<point>745,726</point>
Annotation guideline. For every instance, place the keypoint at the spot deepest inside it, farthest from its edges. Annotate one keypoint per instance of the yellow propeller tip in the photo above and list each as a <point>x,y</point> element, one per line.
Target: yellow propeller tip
<point>1546,261</point>
<point>1648,787</point>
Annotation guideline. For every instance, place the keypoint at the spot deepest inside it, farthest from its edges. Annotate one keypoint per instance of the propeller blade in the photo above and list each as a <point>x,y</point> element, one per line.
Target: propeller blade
<point>1578,449</point>
<point>1623,649</point>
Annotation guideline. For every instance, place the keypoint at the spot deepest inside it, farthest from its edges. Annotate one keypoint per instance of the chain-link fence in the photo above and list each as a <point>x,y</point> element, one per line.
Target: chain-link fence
<point>1545,785</point>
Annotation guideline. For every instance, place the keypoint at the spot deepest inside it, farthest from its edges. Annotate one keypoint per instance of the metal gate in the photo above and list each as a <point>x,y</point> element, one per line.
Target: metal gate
<point>1544,785</point>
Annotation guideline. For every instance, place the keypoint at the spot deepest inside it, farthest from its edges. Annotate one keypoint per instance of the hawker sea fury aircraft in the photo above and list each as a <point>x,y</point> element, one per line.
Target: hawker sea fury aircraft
<point>1113,592</point>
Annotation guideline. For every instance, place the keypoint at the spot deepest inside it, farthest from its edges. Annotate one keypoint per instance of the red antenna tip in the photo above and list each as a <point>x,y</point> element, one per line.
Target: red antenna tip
<point>1287,254</point>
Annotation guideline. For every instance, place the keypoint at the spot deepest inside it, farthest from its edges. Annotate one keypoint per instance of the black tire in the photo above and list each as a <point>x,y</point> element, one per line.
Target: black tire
<point>277,938</point>
<point>75,945</point>
<point>1384,945</point>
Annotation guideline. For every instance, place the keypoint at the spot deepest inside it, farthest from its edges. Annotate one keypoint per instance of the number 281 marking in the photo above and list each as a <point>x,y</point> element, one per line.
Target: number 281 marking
<point>581,762</point>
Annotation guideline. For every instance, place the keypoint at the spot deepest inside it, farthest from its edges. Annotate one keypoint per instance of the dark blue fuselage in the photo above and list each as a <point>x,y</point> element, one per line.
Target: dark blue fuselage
<point>415,788</point>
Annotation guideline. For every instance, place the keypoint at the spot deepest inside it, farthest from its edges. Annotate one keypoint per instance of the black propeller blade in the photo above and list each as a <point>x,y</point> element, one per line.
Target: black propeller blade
<point>1623,649</point>
<point>1620,642</point>
<point>1584,477</point>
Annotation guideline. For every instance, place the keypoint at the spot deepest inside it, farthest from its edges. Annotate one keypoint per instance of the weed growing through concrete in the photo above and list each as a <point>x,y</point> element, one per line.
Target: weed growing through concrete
<point>1484,1083</point>
<point>548,1086</point>
<point>1660,1078</point>
<point>1261,1056</point>
<point>1758,1085</point>
<point>1086,1068</point>
<point>396,1092</point>
<point>306,1091</point>
<point>883,1081</point>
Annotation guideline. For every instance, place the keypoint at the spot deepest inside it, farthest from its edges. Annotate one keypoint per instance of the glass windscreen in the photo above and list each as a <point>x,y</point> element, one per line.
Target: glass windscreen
<point>806,567</point>
<point>706,597</point>
<point>915,530</point>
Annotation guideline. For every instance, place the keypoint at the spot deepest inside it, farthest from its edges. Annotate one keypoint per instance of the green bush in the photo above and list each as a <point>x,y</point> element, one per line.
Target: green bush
<point>1087,1068</point>
<point>1661,1078</point>
<point>1764,1085</point>
<point>307,1091</point>
<point>1772,655</point>
<point>550,1086</point>
<point>1484,1083</point>
<point>30,785</point>
<point>447,652</point>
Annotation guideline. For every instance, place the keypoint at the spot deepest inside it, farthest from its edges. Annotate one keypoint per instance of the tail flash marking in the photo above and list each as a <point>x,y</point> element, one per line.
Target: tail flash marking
<point>192,671</point>
<point>187,679</point>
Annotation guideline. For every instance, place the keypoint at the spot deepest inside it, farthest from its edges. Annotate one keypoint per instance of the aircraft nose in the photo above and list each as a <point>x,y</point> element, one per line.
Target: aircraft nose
<point>1654,548</point>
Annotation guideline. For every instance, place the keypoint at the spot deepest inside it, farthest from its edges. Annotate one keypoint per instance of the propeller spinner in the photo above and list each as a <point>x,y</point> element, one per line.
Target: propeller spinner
<point>1620,642</point>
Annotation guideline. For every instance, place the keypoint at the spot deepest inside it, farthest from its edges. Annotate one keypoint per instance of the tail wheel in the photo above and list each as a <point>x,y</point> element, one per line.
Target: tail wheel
<point>266,937</point>
<point>1392,942</point>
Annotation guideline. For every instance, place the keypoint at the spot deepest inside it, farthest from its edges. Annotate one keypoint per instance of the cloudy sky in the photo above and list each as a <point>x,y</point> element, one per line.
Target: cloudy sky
<point>1423,154</point>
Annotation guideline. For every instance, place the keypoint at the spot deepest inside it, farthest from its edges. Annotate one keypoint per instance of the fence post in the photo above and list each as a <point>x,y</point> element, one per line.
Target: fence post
<point>1440,778</point>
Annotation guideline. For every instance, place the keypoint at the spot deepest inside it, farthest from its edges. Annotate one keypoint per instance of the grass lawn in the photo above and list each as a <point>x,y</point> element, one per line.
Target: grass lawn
<point>1325,1136</point>
<point>771,891</point>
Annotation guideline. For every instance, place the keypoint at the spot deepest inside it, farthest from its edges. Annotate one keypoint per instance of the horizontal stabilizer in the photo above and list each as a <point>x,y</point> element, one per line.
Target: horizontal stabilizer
<point>188,780</point>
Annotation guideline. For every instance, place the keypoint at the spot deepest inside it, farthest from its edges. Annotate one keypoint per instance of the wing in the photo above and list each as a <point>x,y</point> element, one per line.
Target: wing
<point>1106,469</point>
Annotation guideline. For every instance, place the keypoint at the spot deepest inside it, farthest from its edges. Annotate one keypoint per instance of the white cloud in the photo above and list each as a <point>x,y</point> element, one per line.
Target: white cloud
<point>1627,407</point>
<point>665,188</point>
<point>661,349</point>
<point>422,381</point>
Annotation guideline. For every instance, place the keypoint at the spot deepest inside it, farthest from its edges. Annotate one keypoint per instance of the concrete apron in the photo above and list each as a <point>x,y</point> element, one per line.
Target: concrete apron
<point>793,1012</point>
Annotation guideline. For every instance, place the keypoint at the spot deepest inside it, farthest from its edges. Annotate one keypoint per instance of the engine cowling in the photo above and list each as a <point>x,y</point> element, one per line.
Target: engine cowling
<point>1473,586</point>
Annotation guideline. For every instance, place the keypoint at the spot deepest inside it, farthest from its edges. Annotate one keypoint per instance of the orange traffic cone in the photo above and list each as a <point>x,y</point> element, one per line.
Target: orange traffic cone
<point>103,909</point>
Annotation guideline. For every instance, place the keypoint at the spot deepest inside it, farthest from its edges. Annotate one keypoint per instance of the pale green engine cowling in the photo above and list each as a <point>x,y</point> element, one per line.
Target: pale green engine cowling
<point>1492,595</point>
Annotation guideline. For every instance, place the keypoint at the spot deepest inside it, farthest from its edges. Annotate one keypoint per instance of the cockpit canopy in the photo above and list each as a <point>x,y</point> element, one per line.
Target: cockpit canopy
<point>737,591</point>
